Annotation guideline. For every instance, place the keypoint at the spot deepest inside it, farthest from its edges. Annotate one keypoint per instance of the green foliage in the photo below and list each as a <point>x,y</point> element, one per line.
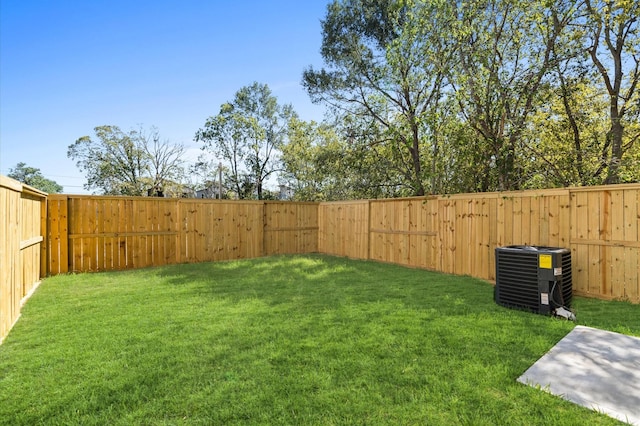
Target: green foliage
<point>133,163</point>
<point>507,48</point>
<point>33,177</point>
<point>385,72</point>
<point>283,340</point>
<point>321,165</point>
<point>567,139</point>
<point>463,161</point>
<point>248,134</point>
<point>114,163</point>
<point>482,95</point>
<point>311,160</point>
<point>613,34</point>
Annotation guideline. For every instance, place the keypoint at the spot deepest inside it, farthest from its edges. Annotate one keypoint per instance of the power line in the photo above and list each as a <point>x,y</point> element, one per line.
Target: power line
<point>46,175</point>
<point>66,177</point>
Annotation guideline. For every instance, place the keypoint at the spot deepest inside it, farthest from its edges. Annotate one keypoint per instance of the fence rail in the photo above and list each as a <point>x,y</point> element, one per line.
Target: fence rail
<point>22,212</point>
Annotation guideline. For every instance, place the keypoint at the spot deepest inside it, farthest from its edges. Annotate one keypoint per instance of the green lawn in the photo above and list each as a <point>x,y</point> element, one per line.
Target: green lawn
<point>283,340</point>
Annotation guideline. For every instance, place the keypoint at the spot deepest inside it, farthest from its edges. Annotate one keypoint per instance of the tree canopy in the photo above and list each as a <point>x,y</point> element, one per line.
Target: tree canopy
<point>128,163</point>
<point>386,65</point>
<point>247,135</point>
<point>484,95</point>
<point>33,177</point>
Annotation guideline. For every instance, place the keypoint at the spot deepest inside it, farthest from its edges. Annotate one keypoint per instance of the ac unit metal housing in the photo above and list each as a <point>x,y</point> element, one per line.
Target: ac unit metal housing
<point>533,278</point>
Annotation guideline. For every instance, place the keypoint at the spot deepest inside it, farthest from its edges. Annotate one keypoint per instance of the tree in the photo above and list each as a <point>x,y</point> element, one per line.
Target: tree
<point>248,134</point>
<point>132,163</point>
<point>33,177</point>
<point>476,95</point>
<point>572,135</point>
<point>506,49</point>
<point>614,37</point>
<point>165,163</point>
<point>459,163</point>
<point>386,66</point>
<point>566,136</point>
<point>308,158</point>
<point>322,165</point>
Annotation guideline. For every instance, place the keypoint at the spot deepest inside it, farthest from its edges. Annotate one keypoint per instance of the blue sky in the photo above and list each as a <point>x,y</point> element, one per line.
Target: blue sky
<point>69,66</point>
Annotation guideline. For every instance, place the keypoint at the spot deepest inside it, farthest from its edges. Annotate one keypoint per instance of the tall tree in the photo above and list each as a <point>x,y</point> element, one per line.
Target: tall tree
<point>126,163</point>
<point>248,134</point>
<point>614,37</point>
<point>506,48</point>
<point>478,95</point>
<point>570,140</point>
<point>166,162</point>
<point>386,65</point>
<point>33,177</point>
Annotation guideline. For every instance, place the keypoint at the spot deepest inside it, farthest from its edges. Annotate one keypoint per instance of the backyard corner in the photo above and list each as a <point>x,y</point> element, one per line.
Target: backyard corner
<point>307,339</point>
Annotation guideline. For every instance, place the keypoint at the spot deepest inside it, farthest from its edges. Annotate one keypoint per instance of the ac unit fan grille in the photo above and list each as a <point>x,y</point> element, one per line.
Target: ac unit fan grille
<point>567,287</point>
<point>518,272</point>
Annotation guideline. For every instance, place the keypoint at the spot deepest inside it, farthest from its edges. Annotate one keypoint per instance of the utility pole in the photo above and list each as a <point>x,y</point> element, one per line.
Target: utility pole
<point>220,181</point>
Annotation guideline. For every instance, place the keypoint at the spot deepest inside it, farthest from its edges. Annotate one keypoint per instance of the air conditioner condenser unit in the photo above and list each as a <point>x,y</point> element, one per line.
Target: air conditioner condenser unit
<point>534,278</point>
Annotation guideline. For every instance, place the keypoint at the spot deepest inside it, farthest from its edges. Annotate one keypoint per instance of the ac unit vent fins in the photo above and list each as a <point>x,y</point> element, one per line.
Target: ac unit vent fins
<point>533,278</point>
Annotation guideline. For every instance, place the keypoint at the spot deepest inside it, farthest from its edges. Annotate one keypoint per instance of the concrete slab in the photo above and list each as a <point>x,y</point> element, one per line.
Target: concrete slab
<point>594,368</point>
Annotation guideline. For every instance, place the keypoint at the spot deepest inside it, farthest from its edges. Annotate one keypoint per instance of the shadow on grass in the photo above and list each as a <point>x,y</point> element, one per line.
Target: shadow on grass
<point>327,280</point>
<point>317,283</point>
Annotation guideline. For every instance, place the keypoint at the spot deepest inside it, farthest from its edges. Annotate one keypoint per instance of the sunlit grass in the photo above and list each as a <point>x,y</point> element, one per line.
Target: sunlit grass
<point>283,340</point>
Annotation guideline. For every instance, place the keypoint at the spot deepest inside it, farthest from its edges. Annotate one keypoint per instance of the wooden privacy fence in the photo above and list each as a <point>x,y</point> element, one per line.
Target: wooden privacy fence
<point>458,234</point>
<point>88,233</point>
<point>454,234</point>
<point>22,213</point>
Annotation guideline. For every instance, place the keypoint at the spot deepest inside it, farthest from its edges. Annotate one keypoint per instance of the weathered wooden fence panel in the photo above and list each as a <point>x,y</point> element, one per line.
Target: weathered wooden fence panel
<point>21,221</point>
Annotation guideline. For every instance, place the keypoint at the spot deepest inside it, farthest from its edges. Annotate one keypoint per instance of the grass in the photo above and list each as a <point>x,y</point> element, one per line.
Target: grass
<point>283,340</point>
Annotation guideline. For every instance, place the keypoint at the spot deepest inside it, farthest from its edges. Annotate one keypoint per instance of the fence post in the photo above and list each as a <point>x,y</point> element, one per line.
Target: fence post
<point>264,228</point>
<point>44,231</point>
<point>179,234</point>
<point>64,236</point>
<point>368,229</point>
